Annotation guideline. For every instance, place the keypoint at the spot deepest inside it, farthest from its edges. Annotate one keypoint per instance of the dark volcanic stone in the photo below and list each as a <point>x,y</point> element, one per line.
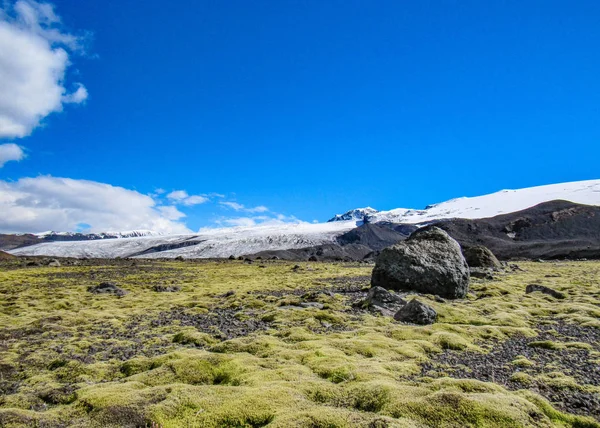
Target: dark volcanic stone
<point>532,288</point>
<point>166,288</point>
<point>430,261</point>
<point>480,257</point>
<point>481,273</point>
<point>379,296</point>
<point>416,312</point>
<point>227,294</point>
<point>107,288</point>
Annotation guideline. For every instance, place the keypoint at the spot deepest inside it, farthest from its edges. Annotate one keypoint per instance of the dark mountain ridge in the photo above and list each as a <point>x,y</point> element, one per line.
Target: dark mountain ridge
<point>551,230</point>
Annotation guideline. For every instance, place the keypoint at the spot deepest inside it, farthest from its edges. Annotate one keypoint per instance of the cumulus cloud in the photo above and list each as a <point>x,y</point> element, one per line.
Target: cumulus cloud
<point>34,58</point>
<point>51,203</point>
<point>10,152</point>
<point>182,197</point>
<point>239,207</point>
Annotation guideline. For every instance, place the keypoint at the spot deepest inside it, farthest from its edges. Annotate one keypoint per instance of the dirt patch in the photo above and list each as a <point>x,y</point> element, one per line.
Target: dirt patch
<point>223,324</point>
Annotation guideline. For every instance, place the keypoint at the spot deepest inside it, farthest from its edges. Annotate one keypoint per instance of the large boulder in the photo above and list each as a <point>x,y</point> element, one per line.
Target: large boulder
<point>416,312</point>
<point>480,257</point>
<point>429,261</point>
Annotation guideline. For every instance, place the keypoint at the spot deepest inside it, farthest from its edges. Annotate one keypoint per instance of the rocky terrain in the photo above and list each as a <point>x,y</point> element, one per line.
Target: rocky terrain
<point>242,343</point>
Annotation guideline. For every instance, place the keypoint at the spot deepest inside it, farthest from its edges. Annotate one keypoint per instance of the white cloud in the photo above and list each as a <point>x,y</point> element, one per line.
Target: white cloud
<point>177,195</point>
<point>51,203</point>
<point>77,97</point>
<point>34,59</point>
<point>233,205</point>
<point>10,152</point>
<point>241,221</point>
<point>171,213</point>
<point>239,207</point>
<point>259,209</point>
<point>182,197</point>
<point>194,200</point>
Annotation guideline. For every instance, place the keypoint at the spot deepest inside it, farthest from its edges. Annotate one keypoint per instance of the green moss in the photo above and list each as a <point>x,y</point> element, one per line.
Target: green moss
<point>191,336</point>
<point>450,341</point>
<point>522,378</point>
<point>547,344</point>
<point>522,361</point>
<point>100,361</point>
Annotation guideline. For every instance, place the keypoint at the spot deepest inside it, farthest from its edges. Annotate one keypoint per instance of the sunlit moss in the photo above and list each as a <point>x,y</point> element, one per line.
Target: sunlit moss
<point>101,360</point>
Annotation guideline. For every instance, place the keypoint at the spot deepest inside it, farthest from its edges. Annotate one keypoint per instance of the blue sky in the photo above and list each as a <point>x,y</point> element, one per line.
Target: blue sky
<point>310,108</point>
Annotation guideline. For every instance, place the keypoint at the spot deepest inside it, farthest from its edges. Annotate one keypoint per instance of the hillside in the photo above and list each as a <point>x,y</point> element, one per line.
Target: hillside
<point>556,229</point>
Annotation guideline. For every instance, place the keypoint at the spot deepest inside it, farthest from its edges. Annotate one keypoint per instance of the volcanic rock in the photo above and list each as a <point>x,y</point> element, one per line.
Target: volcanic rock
<point>429,261</point>
<point>416,312</point>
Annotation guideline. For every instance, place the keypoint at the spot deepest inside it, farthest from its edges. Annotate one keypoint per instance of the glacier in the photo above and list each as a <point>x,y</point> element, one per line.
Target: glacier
<point>236,241</point>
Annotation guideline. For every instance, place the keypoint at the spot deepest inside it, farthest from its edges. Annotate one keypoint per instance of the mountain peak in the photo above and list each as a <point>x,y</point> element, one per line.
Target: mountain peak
<point>355,214</point>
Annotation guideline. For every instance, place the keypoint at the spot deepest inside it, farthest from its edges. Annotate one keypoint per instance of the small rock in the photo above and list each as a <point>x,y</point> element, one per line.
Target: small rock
<point>179,258</point>
<point>379,296</point>
<point>232,257</point>
<point>480,257</point>
<point>166,288</point>
<point>248,261</point>
<point>228,294</point>
<point>53,263</point>
<point>532,288</point>
<point>416,312</point>
<point>107,288</point>
<point>481,273</point>
<point>313,259</point>
<point>315,305</point>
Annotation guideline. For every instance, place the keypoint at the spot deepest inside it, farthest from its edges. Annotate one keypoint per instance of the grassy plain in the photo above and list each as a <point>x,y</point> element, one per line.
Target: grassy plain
<point>206,357</point>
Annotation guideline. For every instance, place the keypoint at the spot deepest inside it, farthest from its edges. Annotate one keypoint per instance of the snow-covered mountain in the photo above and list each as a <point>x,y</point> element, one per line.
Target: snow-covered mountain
<point>52,235</point>
<point>502,202</point>
<point>247,240</point>
<point>357,214</point>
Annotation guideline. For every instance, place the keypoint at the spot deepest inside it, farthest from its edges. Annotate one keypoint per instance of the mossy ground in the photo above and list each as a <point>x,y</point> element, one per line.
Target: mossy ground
<point>203,357</point>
